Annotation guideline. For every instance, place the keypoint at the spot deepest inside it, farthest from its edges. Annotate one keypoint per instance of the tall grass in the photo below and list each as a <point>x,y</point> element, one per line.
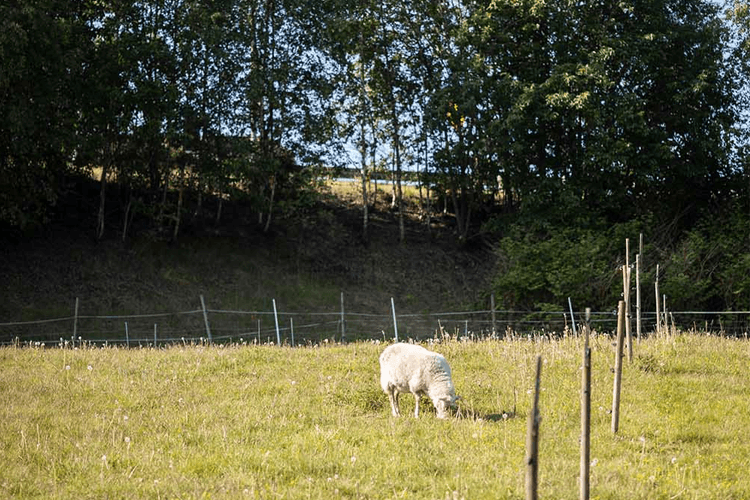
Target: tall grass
<point>266,422</point>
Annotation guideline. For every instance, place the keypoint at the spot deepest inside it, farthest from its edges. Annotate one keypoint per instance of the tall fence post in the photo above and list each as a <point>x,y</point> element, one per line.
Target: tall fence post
<point>154,335</point>
<point>291,325</point>
<point>618,367</point>
<point>532,439</point>
<point>127,335</point>
<point>656,292</point>
<point>626,298</point>
<point>585,416</point>
<point>276,319</point>
<point>638,295</point>
<point>205,320</point>
<point>395,324</point>
<point>343,321</point>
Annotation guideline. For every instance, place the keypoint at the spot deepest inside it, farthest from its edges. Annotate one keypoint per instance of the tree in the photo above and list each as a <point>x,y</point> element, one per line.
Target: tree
<point>43,45</point>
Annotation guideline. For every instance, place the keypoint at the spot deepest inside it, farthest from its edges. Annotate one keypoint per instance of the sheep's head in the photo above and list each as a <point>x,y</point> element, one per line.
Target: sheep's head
<point>444,403</point>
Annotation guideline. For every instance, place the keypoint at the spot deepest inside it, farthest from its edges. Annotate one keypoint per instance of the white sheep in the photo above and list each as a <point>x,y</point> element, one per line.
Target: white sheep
<point>412,368</point>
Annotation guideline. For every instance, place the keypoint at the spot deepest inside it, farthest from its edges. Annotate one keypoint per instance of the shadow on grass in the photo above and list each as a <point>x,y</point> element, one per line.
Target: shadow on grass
<point>463,413</point>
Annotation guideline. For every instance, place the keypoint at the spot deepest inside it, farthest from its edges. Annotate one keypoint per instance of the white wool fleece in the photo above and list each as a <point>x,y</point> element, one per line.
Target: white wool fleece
<point>412,368</point>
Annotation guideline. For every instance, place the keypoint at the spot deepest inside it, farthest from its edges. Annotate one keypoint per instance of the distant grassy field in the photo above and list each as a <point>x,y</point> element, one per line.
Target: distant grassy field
<point>266,422</point>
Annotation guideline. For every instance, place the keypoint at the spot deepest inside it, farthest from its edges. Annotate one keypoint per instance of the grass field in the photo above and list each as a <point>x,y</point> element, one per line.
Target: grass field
<point>265,422</point>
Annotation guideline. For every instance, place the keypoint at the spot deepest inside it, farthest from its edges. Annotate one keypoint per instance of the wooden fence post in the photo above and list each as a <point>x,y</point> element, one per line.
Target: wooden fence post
<point>656,292</point>
<point>638,295</point>
<point>127,335</point>
<point>628,326</point>
<point>585,416</point>
<point>532,438</point>
<point>626,298</point>
<point>618,367</point>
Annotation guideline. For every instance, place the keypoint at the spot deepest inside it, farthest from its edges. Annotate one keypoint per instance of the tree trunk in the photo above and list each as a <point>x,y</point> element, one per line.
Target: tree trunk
<point>397,181</point>
<point>126,218</point>
<point>365,207</point>
<point>102,198</point>
<point>178,215</point>
<point>218,210</point>
<point>428,201</point>
<point>270,205</point>
<point>163,203</point>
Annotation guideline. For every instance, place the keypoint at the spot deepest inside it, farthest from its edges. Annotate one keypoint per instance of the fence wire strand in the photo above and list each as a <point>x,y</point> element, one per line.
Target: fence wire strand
<point>319,327</point>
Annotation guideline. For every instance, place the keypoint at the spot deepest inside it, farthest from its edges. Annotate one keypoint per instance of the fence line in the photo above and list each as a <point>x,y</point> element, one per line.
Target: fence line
<point>221,325</point>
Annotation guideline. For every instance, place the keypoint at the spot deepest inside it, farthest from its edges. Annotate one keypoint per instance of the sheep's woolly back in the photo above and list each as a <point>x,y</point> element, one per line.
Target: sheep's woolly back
<point>412,368</point>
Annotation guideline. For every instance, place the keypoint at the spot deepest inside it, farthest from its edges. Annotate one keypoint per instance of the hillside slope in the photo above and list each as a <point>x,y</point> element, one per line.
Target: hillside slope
<point>304,263</point>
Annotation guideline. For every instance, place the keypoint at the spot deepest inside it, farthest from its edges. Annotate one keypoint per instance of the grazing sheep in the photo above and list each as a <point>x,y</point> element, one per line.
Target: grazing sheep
<point>412,368</point>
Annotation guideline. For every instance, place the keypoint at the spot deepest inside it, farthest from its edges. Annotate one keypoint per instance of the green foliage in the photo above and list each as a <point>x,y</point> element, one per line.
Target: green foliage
<point>41,58</point>
<point>539,266</point>
<point>708,268</point>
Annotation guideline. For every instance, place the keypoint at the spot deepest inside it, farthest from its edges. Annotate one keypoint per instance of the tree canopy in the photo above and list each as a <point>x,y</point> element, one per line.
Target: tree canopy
<point>522,114</point>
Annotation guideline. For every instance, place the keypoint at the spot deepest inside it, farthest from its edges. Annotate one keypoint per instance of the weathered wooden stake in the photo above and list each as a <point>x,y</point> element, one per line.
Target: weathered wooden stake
<point>276,319</point>
<point>154,335</point>
<point>585,416</point>
<point>638,295</point>
<point>618,367</point>
<point>656,293</point>
<point>532,438</point>
<point>127,335</point>
<point>628,331</point>
<point>626,297</point>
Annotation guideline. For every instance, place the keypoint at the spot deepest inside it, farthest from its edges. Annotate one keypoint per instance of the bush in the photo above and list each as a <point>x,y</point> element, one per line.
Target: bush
<point>539,269</point>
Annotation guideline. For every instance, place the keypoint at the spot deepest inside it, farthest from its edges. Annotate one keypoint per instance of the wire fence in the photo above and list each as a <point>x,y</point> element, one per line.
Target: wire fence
<point>277,327</point>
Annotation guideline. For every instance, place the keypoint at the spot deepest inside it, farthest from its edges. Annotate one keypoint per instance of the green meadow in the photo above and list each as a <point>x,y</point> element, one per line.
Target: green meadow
<point>266,422</point>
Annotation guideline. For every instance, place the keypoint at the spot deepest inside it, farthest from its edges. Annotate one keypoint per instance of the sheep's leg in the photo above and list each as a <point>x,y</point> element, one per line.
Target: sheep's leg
<point>416,405</point>
<point>393,398</point>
